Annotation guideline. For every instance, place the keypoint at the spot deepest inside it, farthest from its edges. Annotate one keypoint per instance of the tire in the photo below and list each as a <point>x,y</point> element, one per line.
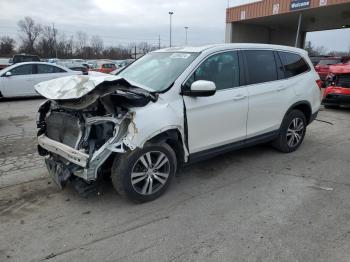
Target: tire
<point>134,178</point>
<point>291,136</point>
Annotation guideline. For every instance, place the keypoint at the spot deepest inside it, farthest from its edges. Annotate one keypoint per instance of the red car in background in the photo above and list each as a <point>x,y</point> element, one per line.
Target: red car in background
<point>104,67</point>
<point>322,68</point>
<point>337,92</point>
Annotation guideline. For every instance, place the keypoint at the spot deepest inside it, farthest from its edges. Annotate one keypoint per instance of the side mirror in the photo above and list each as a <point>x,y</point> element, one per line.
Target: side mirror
<point>201,88</point>
<point>8,74</point>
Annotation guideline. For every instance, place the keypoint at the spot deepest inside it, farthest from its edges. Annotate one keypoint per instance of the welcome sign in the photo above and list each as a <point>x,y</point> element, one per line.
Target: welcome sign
<point>299,4</point>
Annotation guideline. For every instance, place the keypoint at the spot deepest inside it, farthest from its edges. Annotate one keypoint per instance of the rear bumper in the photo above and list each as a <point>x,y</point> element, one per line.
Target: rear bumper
<point>336,99</point>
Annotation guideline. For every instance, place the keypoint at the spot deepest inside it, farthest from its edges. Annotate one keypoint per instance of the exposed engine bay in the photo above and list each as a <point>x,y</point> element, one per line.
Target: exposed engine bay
<point>77,135</point>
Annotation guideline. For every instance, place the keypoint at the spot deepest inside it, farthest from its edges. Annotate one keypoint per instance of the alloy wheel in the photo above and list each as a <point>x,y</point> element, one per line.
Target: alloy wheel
<point>295,132</point>
<point>150,172</point>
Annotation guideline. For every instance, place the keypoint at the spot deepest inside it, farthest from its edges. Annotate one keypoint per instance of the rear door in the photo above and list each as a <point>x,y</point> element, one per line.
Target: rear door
<point>20,83</point>
<point>269,94</point>
<point>47,72</point>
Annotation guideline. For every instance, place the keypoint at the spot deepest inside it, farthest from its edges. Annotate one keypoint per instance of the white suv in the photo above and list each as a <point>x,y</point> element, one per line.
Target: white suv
<point>172,107</point>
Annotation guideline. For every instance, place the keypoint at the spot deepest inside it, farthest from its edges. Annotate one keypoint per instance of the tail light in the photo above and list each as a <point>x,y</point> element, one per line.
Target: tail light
<point>319,83</point>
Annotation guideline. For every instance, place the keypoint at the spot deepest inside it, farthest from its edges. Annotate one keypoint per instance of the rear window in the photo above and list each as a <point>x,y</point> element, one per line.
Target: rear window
<point>108,65</point>
<point>261,66</point>
<point>48,69</point>
<point>293,64</point>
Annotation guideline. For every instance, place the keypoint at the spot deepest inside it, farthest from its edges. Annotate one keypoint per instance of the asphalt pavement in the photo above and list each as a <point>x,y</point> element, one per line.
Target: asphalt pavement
<point>254,204</point>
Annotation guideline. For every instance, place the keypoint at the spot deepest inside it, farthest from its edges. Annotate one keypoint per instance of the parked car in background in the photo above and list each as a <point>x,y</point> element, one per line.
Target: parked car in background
<point>19,79</point>
<point>337,92</point>
<point>104,67</point>
<point>316,59</point>
<point>4,62</point>
<point>80,68</point>
<point>322,68</point>
<point>91,63</point>
<point>121,63</point>
<point>20,58</point>
<point>171,107</point>
<point>115,72</point>
<point>75,66</point>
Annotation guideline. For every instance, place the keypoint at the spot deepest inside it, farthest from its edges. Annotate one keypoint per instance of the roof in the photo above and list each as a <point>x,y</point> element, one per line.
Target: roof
<point>265,8</point>
<point>198,49</point>
<point>37,63</point>
<point>340,69</point>
<point>281,15</point>
<point>189,49</point>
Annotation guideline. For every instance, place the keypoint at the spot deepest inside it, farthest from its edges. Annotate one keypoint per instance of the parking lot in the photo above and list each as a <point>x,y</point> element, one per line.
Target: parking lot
<point>254,204</point>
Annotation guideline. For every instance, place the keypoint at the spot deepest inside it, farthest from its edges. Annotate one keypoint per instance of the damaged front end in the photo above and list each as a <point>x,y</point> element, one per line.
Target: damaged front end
<point>84,121</point>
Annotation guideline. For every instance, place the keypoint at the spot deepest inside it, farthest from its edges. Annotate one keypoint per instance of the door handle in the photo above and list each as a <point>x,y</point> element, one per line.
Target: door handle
<point>280,88</point>
<point>239,97</point>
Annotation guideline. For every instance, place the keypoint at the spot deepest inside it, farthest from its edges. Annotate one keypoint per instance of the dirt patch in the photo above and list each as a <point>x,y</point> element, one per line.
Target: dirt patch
<point>18,201</point>
<point>18,147</point>
<point>19,119</point>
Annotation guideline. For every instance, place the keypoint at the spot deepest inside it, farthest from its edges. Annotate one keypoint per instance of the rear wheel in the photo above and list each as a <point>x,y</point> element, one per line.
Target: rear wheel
<point>144,174</point>
<point>292,132</point>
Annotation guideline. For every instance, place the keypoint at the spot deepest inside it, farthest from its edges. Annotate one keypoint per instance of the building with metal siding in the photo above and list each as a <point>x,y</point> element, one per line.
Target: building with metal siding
<point>284,21</point>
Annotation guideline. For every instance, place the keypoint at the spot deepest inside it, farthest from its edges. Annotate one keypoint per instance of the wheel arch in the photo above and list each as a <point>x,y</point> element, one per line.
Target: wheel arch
<point>304,106</point>
<point>175,140</point>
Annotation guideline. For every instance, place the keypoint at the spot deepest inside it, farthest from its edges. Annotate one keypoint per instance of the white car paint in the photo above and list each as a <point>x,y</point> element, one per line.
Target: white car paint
<point>231,115</point>
<point>23,85</point>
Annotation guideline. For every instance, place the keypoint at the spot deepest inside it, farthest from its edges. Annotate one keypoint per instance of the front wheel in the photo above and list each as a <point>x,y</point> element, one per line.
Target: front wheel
<point>144,174</point>
<point>292,132</point>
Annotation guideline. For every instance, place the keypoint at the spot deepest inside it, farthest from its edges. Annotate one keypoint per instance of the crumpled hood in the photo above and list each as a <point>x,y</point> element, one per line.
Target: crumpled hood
<point>77,86</point>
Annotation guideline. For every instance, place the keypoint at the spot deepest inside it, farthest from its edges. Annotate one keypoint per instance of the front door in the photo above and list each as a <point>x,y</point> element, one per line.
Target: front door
<point>20,83</point>
<point>219,119</point>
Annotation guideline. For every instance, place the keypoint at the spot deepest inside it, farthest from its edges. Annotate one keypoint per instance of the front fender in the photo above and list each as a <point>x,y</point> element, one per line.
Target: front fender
<point>153,119</point>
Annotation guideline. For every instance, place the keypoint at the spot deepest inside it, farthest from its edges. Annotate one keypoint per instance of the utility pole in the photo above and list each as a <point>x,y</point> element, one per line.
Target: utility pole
<point>135,52</point>
<point>54,35</point>
<point>186,28</point>
<point>298,29</point>
<point>170,14</point>
<point>158,41</point>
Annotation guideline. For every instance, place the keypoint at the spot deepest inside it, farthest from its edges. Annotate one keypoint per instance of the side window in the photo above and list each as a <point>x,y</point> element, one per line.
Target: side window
<point>58,70</point>
<point>22,70</point>
<point>293,64</point>
<point>46,69</point>
<point>261,66</point>
<point>222,69</point>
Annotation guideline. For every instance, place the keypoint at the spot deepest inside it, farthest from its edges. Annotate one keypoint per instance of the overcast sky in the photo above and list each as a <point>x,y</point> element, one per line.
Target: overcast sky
<point>125,21</point>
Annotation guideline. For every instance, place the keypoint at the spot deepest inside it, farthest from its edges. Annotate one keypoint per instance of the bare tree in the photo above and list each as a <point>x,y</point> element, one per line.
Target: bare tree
<point>81,42</point>
<point>315,50</point>
<point>29,33</point>
<point>96,44</point>
<point>7,46</point>
<point>47,46</point>
<point>145,47</point>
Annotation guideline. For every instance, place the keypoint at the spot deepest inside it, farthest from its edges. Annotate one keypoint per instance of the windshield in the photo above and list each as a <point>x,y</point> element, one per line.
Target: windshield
<point>158,70</point>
